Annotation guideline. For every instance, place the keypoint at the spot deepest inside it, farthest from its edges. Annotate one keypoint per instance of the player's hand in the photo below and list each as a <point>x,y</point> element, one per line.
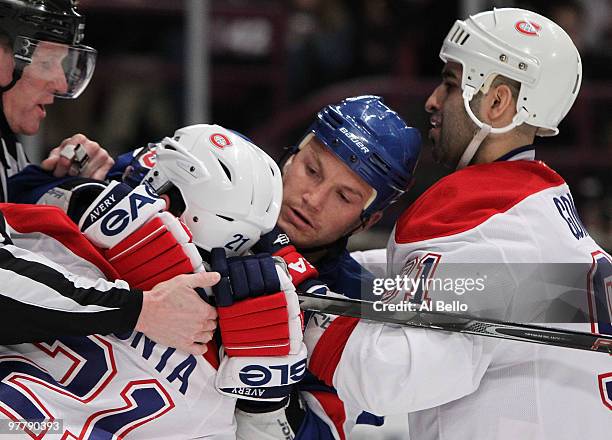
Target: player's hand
<point>259,313</point>
<point>79,156</point>
<point>159,250</point>
<point>261,328</point>
<point>143,244</point>
<point>174,315</point>
<point>303,274</point>
<point>118,211</point>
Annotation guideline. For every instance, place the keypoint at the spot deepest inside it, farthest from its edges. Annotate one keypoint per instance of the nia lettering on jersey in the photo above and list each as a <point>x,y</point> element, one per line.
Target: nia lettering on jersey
<point>176,366</point>
<point>567,209</point>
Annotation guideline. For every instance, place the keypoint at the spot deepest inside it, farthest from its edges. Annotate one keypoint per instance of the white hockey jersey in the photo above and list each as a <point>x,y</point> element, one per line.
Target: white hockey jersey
<point>112,386</point>
<point>504,240</point>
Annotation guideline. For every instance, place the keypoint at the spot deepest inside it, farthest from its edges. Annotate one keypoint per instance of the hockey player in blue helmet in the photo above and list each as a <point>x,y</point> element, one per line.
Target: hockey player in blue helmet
<point>356,159</point>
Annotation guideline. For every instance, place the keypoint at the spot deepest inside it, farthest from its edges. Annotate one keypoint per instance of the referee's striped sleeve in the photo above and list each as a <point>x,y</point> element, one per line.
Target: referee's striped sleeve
<point>40,300</point>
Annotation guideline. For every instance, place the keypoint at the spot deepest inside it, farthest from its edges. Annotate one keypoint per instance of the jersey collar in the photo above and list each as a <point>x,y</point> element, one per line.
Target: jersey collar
<point>521,153</point>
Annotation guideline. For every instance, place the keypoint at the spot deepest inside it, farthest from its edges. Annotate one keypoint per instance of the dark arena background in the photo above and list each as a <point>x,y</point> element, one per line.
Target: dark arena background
<point>264,67</point>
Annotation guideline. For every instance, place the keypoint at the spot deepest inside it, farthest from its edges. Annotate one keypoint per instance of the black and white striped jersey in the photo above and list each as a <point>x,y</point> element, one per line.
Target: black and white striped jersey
<point>39,298</point>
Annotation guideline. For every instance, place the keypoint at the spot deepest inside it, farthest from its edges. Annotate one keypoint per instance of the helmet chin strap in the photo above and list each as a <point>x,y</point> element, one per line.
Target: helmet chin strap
<point>16,77</point>
<point>9,86</point>
<point>484,129</point>
<point>17,72</point>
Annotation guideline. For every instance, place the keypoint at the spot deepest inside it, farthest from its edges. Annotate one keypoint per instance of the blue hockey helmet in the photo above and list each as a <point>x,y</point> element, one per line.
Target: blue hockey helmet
<point>374,142</point>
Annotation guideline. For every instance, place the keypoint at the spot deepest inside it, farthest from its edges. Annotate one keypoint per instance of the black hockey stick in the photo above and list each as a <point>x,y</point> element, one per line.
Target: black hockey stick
<point>456,323</point>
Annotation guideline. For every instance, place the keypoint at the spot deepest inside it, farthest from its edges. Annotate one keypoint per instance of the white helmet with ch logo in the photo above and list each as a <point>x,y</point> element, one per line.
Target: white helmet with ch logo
<point>523,46</point>
<point>230,188</point>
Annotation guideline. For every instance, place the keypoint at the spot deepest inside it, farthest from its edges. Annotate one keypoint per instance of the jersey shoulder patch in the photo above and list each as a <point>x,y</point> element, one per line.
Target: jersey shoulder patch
<point>467,198</point>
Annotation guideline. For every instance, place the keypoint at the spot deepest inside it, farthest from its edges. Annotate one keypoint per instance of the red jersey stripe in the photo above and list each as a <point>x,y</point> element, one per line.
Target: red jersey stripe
<point>467,198</point>
<point>328,351</point>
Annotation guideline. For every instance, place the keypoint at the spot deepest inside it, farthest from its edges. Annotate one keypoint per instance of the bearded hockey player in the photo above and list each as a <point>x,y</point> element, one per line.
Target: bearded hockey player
<point>509,75</point>
<point>228,192</point>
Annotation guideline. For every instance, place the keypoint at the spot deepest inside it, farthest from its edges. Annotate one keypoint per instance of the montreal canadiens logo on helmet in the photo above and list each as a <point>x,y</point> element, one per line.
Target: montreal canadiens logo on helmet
<point>220,140</point>
<point>528,28</point>
<point>148,159</point>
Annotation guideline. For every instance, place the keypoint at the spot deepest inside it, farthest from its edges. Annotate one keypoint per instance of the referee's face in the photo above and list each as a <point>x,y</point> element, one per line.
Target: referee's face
<point>25,103</point>
<point>322,197</point>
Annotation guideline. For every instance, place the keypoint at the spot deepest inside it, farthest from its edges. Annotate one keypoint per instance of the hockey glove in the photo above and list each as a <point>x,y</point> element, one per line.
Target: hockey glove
<point>261,328</point>
<point>144,245</point>
<point>303,274</point>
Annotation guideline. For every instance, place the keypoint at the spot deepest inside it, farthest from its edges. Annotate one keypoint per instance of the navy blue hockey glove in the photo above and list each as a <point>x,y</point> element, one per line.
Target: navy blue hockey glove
<point>261,327</point>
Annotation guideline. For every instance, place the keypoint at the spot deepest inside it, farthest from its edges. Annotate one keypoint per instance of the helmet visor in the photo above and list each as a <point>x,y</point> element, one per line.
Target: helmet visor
<point>68,68</point>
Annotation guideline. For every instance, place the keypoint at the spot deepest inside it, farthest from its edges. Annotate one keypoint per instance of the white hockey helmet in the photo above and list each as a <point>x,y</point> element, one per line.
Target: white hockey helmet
<point>232,190</point>
<point>523,46</point>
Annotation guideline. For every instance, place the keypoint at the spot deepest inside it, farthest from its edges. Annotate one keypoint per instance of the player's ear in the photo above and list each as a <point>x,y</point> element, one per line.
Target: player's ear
<point>500,103</point>
<point>374,218</point>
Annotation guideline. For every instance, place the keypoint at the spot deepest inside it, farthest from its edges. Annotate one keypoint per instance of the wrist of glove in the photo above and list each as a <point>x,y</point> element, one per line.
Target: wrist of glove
<point>145,246</point>
<point>261,378</point>
<point>268,424</point>
<point>117,212</point>
<point>277,243</point>
<point>261,327</point>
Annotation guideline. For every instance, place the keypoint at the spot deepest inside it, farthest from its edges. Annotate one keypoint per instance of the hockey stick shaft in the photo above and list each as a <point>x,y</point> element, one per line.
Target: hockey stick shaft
<point>456,323</point>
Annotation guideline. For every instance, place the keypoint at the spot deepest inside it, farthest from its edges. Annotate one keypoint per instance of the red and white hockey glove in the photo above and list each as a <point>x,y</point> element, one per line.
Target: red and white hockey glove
<point>146,246</point>
<point>303,274</point>
<point>261,327</point>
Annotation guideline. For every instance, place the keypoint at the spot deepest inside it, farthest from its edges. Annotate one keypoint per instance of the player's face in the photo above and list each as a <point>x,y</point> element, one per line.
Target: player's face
<point>24,104</point>
<point>322,197</point>
<point>451,127</point>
